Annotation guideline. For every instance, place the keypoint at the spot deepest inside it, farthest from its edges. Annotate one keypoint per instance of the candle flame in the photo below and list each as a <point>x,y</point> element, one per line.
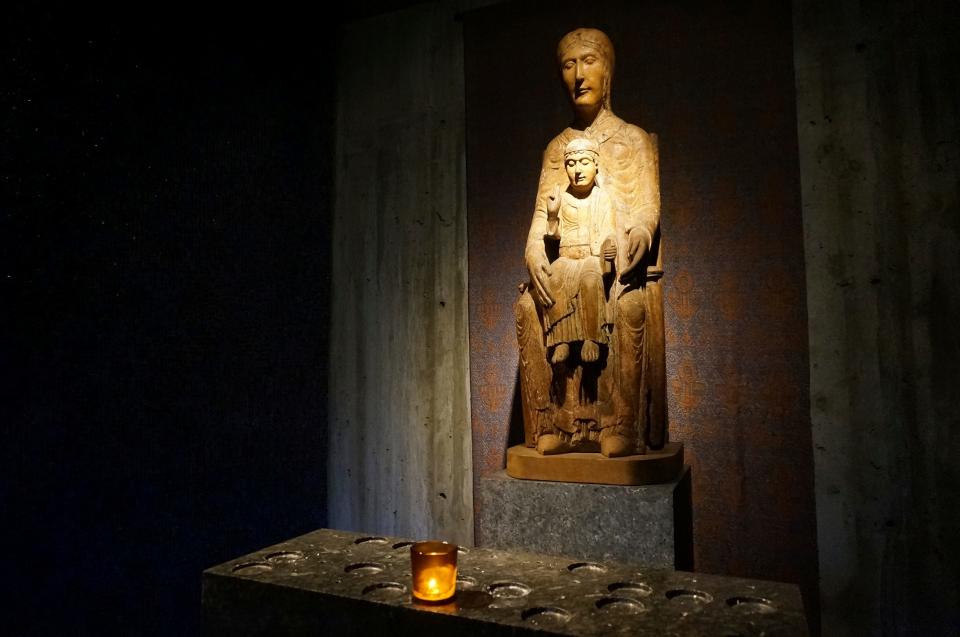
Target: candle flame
<point>434,574</point>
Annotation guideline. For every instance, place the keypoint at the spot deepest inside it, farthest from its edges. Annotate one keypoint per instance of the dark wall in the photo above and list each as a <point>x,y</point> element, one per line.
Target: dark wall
<point>878,110</point>
<point>166,184</point>
<point>716,83</point>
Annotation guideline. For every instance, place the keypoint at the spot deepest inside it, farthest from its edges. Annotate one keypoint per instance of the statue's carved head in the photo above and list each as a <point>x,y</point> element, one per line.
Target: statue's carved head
<point>581,161</point>
<point>586,61</point>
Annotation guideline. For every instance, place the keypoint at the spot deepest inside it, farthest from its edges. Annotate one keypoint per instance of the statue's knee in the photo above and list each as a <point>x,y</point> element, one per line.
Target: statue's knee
<point>525,309</point>
<point>631,309</point>
<point>590,281</point>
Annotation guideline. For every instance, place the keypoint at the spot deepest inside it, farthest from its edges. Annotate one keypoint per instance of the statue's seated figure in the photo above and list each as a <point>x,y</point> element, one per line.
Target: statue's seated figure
<point>582,218</point>
<point>590,321</point>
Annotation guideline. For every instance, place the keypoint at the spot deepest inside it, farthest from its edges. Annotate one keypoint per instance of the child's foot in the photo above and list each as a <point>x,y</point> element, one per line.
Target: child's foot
<point>590,351</point>
<point>560,353</point>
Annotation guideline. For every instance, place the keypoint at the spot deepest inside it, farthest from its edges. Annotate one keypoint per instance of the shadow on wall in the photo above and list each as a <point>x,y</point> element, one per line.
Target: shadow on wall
<point>169,216</point>
<point>516,435</point>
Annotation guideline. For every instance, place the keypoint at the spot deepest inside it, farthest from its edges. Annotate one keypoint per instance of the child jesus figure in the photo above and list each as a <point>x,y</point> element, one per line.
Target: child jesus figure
<point>582,218</point>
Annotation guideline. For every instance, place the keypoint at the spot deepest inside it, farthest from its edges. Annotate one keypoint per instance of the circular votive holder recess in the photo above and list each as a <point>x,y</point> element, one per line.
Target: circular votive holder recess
<point>434,569</point>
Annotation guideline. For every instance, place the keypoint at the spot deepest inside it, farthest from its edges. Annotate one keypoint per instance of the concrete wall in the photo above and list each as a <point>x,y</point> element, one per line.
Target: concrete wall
<point>878,127</point>
<point>400,459</point>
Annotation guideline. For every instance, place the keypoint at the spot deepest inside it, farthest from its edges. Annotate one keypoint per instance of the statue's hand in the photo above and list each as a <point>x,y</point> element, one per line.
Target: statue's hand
<point>609,249</point>
<point>637,246</point>
<point>553,203</point>
<point>539,267</point>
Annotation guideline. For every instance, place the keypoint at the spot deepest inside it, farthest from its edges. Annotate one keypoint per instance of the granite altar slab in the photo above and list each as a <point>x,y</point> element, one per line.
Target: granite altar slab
<point>342,583</point>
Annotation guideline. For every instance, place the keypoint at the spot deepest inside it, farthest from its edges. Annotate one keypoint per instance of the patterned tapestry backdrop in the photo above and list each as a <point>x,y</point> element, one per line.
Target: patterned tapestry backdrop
<point>716,84</point>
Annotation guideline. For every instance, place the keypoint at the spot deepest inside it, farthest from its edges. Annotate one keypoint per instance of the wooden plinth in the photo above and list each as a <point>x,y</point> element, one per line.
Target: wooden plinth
<point>653,467</point>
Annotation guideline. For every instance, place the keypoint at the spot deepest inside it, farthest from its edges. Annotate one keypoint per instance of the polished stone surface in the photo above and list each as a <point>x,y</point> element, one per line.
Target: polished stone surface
<point>517,511</point>
<point>341,583</point>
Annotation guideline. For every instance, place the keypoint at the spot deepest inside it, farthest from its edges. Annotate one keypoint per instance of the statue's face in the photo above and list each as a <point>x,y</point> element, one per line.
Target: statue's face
<point>584,75</point>
<point>581,169</point>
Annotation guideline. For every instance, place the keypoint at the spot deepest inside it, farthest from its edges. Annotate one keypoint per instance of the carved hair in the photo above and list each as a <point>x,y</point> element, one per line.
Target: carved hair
<point>596,40</point>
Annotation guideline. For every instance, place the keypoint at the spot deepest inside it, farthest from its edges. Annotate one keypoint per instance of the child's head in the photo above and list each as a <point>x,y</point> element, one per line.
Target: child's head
<point>580,158</point>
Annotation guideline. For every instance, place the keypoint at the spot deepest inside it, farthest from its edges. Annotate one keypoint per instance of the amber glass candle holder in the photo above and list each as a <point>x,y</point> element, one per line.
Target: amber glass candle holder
<point>434,568</point>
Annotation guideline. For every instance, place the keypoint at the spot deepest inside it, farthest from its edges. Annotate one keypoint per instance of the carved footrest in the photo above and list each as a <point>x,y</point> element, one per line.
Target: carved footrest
<point>653,467</point>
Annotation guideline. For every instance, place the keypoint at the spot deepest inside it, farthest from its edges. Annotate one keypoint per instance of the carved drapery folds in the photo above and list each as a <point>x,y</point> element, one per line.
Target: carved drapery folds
<point>585,390</point>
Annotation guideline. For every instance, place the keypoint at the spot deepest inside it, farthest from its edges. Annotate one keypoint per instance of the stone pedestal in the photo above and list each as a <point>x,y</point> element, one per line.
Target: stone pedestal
<point>340,583</point>
<point>648,525</point>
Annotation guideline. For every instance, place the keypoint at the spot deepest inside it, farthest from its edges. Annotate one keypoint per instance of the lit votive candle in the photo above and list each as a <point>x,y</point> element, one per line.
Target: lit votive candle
<point>434,567</point>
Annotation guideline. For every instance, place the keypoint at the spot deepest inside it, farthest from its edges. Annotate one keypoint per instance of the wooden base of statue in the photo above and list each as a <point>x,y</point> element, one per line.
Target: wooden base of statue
<point>653,467</point>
